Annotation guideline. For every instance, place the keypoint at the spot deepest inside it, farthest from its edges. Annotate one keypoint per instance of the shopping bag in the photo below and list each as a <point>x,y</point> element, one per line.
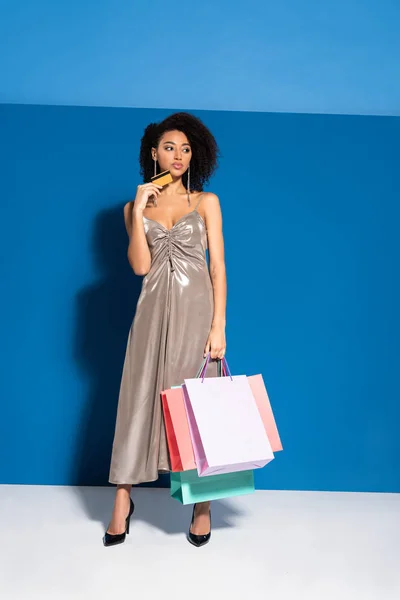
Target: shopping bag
<point>177,430</point>
<point>188,488</point>
<point>264,406</point>
<point>177,426</point>
<point>226,428</point>
<point>265,409</point>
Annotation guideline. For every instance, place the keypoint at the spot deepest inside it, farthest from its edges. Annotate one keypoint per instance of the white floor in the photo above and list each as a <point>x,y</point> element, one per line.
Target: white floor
<point>272,545</point>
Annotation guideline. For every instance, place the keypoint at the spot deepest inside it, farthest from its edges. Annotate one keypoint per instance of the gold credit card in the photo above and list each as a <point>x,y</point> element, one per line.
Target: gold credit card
<point>162,178</point>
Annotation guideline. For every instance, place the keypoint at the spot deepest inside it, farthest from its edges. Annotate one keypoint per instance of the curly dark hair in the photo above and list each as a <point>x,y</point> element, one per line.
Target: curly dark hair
<point>205,152</point>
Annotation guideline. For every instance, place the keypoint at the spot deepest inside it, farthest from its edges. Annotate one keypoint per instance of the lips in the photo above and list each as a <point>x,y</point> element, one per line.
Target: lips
<point>177,165</point>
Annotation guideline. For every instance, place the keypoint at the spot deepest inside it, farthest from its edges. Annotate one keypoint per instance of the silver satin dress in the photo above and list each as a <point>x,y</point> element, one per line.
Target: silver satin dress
<point>165,344</point>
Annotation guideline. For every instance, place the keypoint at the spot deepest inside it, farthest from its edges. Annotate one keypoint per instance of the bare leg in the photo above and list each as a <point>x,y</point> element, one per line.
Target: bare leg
<point>201,524</point>
<point>121,509</point>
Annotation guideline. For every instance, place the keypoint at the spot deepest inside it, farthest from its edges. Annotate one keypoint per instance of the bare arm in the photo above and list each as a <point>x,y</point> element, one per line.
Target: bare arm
<point>138,250</point>
<point>139,255</point>
<point>213,220</point>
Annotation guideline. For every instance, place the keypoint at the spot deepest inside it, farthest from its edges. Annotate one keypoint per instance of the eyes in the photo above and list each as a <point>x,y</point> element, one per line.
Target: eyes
<point>186,150</point>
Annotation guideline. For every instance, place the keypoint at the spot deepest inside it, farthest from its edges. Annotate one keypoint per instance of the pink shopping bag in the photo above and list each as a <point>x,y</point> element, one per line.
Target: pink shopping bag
<point>177,430</point>
<point>264,406</point>
<point>226,428</point>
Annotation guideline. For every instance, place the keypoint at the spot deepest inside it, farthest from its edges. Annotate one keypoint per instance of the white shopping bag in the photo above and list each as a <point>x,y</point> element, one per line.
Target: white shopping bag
<point>226,428</point>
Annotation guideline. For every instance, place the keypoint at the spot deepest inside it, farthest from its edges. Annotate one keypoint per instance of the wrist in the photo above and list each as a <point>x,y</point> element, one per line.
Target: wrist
<point>218,323</point>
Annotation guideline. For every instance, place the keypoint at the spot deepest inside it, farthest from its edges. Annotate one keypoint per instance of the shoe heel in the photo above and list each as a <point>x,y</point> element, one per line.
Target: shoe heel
<point>110,539</point>
<point>128,519</point>
<point>198,540</point>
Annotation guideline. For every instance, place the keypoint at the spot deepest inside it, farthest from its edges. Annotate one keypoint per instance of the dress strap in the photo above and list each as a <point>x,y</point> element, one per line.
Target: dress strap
<point>200,199</point>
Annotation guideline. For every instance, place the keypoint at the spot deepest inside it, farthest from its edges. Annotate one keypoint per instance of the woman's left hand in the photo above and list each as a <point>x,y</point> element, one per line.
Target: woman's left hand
<point>216,343</point>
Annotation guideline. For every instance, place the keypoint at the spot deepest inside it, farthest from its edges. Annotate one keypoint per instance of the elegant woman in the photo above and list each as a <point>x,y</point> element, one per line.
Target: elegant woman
<point>180,314</point>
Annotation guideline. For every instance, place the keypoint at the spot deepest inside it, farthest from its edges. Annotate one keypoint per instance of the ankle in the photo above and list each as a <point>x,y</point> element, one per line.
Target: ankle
<point>122,496</point>
<point>202,508</point>
<point>123,491</point>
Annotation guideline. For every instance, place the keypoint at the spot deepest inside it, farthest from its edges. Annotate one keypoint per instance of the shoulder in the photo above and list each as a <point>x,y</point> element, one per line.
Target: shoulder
<point>210,203</point>
<point>211,210</point>
<point>128,211</point>
<point>210,198</point>
<point>128,207</point>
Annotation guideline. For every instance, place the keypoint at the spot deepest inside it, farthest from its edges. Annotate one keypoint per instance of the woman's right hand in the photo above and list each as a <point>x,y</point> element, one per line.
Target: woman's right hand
<point>143,193</point>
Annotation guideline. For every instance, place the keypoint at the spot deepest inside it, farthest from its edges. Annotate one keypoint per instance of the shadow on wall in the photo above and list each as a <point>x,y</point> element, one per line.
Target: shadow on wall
<point>104,314</point>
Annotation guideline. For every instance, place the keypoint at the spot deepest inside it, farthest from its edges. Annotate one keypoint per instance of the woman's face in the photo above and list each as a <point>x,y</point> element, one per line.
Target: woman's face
<point>173,153</point>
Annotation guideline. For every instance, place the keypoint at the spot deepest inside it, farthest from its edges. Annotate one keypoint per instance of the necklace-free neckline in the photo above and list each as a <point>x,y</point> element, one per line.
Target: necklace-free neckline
<point>176,222</point>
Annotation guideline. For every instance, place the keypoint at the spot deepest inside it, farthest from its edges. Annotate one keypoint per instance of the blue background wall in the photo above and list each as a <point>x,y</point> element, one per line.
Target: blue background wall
<point>312,249</point>
<point>333,56</point>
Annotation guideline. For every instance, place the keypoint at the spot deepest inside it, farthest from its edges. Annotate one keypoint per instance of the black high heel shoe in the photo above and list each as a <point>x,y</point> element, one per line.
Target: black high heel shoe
<point>111,539</point>
<point>198,540</point>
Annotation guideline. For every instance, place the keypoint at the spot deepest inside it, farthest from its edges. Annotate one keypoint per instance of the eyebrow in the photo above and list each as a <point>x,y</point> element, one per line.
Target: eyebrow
<point>185,144</point>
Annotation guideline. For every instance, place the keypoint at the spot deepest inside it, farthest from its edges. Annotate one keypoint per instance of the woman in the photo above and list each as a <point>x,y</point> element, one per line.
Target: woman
<point>180,314</point>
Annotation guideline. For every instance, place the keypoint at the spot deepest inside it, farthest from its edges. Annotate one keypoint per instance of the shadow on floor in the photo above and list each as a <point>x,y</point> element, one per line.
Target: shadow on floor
<point>154,507</point>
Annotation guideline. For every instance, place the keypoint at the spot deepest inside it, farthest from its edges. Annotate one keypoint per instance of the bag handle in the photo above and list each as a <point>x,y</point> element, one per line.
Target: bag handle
<point>222,365</point>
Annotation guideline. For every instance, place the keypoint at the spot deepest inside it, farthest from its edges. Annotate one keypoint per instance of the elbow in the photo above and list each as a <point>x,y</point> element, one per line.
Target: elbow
<point>217,269</point>
<point>139,270</point>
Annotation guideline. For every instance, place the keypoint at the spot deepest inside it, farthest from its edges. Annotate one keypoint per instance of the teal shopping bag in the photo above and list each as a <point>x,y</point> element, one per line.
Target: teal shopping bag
<point>188,487</point>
